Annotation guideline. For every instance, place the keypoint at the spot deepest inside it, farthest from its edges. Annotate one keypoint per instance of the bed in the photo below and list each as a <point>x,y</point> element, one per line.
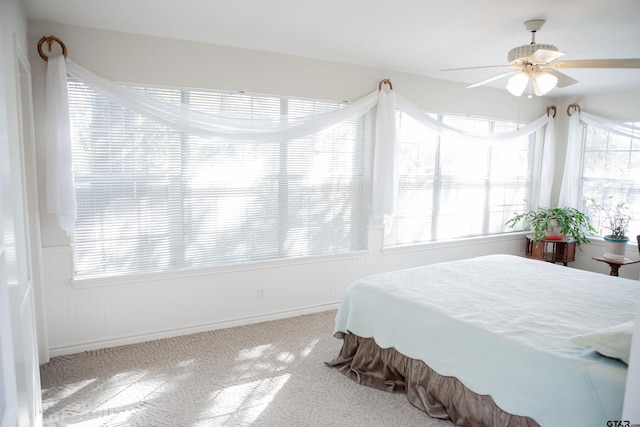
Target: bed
<point>493,340</point>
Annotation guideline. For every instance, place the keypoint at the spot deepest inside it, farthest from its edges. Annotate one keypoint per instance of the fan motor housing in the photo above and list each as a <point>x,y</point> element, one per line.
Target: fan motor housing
<point>523,53</point>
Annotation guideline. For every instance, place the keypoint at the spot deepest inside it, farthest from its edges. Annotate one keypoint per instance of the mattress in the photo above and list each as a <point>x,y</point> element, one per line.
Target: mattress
<point>501,325</point>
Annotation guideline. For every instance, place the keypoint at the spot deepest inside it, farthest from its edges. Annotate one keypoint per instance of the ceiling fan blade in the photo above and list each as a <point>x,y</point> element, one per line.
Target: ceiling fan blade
<point>563,79</point>
<point>474,68</point>
<point>544,56</point>
<point>490,79</point>
<point>598,63</point>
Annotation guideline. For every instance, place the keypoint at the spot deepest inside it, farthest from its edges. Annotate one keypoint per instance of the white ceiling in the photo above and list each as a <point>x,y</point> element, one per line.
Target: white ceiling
<point>415,36</point>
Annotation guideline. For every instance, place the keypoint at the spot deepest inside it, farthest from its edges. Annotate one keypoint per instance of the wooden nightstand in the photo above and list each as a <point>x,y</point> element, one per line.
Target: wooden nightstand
<point>552,250</point>
<point>614,264</point>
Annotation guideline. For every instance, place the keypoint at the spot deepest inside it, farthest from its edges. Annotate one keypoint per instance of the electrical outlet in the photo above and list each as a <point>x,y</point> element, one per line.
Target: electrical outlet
<point>260,294</point>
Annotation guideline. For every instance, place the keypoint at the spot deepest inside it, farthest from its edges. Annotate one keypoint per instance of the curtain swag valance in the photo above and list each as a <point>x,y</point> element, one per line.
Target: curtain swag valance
<point>384,102</point>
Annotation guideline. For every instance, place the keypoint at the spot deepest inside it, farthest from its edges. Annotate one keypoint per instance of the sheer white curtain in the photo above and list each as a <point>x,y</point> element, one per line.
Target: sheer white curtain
<point>443,129</point>
<point>385,175</point>
<point>225,126</point>
<point>611,126</point>
<point>61,190</point>
<point>570,190</point>
<point>571,177</point>
<point>548,164</point>
<point>61,194</point>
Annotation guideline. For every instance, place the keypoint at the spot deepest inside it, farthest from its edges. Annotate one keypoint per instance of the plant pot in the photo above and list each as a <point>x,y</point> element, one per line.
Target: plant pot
<point>615,249</point>
<point>554,232</point>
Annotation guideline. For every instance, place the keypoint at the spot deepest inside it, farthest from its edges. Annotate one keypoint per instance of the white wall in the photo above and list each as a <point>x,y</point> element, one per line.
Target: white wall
<point>109,312</point>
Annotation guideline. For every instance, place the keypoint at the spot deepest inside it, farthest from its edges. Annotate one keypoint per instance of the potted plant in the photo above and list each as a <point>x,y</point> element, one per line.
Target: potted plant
<point>555,224</point>
<point>549,224</point>
<point>616,220</point>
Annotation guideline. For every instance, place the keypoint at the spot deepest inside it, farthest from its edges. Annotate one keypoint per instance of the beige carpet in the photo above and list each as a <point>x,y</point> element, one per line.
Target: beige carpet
<point>268,374</point>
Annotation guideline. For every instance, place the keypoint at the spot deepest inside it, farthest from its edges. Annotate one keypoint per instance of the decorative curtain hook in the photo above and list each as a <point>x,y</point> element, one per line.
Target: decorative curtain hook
<point>386,82</point>
<point>551,108</point>
<point>50,41</point>
<point>576,107</point>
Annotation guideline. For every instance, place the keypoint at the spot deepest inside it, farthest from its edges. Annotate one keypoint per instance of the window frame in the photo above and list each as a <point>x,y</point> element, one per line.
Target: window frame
<point>625,187</point>
<point>536,141</point>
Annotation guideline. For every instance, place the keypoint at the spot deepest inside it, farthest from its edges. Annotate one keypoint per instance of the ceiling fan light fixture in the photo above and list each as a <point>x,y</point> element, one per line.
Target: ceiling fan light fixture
<point>535,65</point>
<point>518,83</point>
<point>543,83</point>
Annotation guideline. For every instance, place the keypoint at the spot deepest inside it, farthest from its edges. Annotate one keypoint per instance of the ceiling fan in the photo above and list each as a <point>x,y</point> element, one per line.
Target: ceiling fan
<point>535,66</point>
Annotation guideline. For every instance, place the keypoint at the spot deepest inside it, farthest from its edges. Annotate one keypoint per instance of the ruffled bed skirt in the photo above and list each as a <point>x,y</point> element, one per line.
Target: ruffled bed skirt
<point>362,360</point>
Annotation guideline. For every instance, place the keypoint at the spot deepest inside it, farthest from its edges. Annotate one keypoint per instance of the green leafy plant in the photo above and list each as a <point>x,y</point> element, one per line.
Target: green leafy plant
<point>569,221</point>
<point>616,218</point>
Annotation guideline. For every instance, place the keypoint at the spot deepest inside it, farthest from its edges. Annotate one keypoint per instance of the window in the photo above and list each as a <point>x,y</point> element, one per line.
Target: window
<point>611,172</point>
<point>155,199</point>
<point>451,189</point>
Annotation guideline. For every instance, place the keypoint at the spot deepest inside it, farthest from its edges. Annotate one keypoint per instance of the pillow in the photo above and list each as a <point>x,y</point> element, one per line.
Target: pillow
<point>614,341</point>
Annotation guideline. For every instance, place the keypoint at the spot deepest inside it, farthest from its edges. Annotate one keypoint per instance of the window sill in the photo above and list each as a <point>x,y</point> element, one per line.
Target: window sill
<point>468,241</point>
<point>92,282</point>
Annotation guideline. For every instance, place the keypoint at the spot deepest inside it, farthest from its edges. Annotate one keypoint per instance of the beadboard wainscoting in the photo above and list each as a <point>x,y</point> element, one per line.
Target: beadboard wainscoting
<point>94,314</point>
<point>102,313</point>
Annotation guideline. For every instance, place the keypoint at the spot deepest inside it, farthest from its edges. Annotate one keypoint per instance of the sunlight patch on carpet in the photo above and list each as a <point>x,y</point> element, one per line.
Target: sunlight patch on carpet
<point>55,395</point>
<point>242,402</point>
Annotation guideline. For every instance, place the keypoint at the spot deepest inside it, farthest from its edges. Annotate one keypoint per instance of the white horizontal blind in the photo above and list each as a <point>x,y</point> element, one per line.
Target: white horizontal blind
<point>154,199</point>
<point>611,174</point>
<point>454,188</point>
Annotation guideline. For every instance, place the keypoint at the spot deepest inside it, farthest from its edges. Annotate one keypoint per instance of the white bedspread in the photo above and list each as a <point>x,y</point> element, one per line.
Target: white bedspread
<point>501,325</point>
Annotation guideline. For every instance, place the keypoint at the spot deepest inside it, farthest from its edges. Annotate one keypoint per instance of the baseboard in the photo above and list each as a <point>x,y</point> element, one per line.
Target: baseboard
<point>135,339</point>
